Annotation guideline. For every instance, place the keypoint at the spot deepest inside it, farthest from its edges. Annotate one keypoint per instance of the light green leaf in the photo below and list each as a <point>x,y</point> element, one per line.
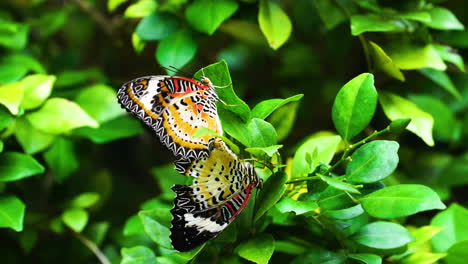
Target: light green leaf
<point>59,116</point>
<point>401,200</point>
<point>458,253</point>
<point>269,151</point>
<point>214,13</point>
<point>344,214</point>
<point>176,50</point>
<point>373,161</point>
<point>354,105</point>
<point>1,146</point>
<point>85,200</point>
<point>384,63</point>
<point>450,55</point>
<point>138,43</point>
<point>272,191</point>
<point>16,166</point>
<point>337,184</point>
<point>443,19</point>
<point>157,26</point>
<point>121,127</point>
<point>11,212</point>
<point>366,258</point>
<point>113,4</point>
<point>283,119</point>
<point>408,56</point>
<point>442,79</point>
<point>324,145</point>
<point>288,204</point>
<point>375,23</point>
<point>382,235</point>
<point>138,255</point>
<point>156,223</point>
<point>420,16</point>
<point>454,224</point>
<point>261,133</point>
<point>31,139</point>
<point>423,258</point>
<point>75,218</point>
<point>133,226</point>
<point>99,102</point>
<point>396,107</point>
<point>274,23</point>
<point>141,8</point>
<point>11,96</point>
<point>61,158</point>
<point>258,249</point>
<point>263,109</point>
<point>37,88</point>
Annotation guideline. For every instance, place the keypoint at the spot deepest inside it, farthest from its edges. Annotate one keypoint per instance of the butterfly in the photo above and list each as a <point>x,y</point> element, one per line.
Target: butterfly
<point>221,188</point>
<point>174,107</point>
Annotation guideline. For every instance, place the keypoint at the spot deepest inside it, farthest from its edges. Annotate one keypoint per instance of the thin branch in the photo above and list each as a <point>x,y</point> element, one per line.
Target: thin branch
<point>93,247</point>
<point>107,25</point>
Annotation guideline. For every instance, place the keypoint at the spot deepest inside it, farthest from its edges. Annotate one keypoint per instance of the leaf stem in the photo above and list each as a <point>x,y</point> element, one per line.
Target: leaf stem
<point>93,247</point>
<point>303,179</point>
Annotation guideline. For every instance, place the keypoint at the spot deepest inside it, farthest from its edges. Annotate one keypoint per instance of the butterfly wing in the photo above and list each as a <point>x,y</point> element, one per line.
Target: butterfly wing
<point>174,107</point>
<point>221,189</point>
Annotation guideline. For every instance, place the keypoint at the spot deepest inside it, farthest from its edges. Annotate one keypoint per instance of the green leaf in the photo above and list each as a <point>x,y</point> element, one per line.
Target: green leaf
<point>166,177</point>
<point>75,218</point>
<point>138,255</point>
<point>458,253</point>
<point>157,26</point>
<point>13,35</point>
<point>401,200</point>
<point>344,214</point>
<point>271,192</point>
<point>156,224</point>
<point>274,23</point>
<point>37,88</point>
<point>382,62</point>
<point>290,247</point>
<point>443,19</point>
<point>329,13</point>
<point>141,8</point>
<point>354,105</point>
<point>366,258</point>
<point>14,67</point>
<point>375,23</point>
<point>99,102</point>
<point>11,212</point>
<point>1,146</point>
<point>261,133</point>
<point>121,127</point>
<point>269,151</point>
<point>176,50</point>
<point>283,119</point>
<point>373,161</point>
<point>16,166</point>
<point>61,159</point>
<point>337,184</point>
<point>59,116</point>
<point>382,235</point>
<point>324,145</point>
<point>85,200</point>
<point>6,118</point>
<point>288,204</point>
<point>203,131</point>
<point>138,43</point>
<point>450,55</point>
<point>263,109</point>
<point>445,122</point>
<point>214,13</point>
<point>396,107</point>
<point>11,96</point>
<point>443,80</point>
<point>219,75</point>
<point>258,249</point>
<point>423,258</point>
<point>408,56</point>
<point>31,139</point>
<point>133,226</point>
<point>398,125</point>
<point>420,16</point>
<point>113,4</point>
<point>454,224</point>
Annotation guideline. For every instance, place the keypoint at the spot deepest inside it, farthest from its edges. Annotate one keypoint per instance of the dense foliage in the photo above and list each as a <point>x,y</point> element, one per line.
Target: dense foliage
<point>364,160</point>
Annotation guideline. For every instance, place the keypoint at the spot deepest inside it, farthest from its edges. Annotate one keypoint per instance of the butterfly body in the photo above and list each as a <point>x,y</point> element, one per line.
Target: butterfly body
<point>174,107</point>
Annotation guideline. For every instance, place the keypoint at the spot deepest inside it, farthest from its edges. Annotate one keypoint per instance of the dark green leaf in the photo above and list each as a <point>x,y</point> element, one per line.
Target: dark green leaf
<point>401,200</point>
<point>261,133</point>
<point>85,200</point>
<point>15,166</point>
<point>373,161</point>
<point>289,247</point>
<point>384,63</point>
<point>75,218</point>
<point>345,214</point>
<point>156,224</point>
<point>269,151</point>
<point>354,105</point>
<point>366,258</point>
<point>13,35</point>
<point>450,55</point>
<point>271,192</point>
<point>382,235</point>
<point>5,118</point>
<point>399,125</point>
<point>274,23</point>
<point>443,19</point>
<point>263,109</point>
<point>330,13</point>
<point>458,253</point>
<point>337,184</point>
<point>61,158</point>
<point>157,26</point>
<point>133,226</point>
<point>442,79</point>
<point>121,127</point>
<point>298,207</point>
<point>31,139</point>
<point>176,50</point>
<point>283,119</point>
<point>11,212</point>
<point>214,13</point>
<point>14,67</point>
<point>258,249</point>
<point>138,255</point>
<point>454,224</point>
<point>374,23</point>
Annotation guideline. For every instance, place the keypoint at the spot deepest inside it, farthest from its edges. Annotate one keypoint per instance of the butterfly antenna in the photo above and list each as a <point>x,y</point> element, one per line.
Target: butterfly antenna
<point>221,87</point>
<point>224,103</point>
<point>179,70</point>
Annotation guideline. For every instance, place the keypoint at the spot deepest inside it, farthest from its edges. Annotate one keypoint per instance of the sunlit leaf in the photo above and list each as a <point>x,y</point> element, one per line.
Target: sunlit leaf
<point>11,212</point>
<point>274,23</point>
<point>214,13</point>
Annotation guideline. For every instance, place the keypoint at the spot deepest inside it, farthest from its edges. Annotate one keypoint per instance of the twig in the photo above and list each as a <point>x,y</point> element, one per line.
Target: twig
<point>92,246</point>
<point>107,25</point>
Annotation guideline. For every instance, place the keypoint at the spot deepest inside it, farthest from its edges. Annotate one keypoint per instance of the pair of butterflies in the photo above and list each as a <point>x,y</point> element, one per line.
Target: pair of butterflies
<point>175,108</point>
